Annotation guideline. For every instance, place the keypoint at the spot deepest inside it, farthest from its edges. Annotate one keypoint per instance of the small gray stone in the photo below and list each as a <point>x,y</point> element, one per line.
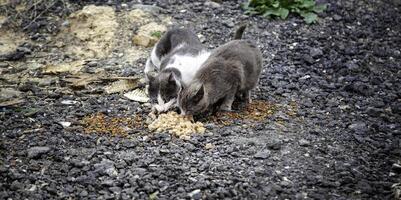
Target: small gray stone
<point>263,154</point>
<point>15,185</point>
<point>3,64</point>
<point>108,183</point>
<point>285,183</point>
<point>229,24</point>
<point>106,167</point>
<point>316,52</point>
<point>396,167</point>
<point>84,193</point>
<point>79,163</point>
<point>304,143</point>
<point>274,144</point>
<point>337,17</point>
<point>36,152</point>
<point>196,194</point>
<point>358,127</point>
<point>92,64</point>
<point>115,190</point>
<point>148,8</point>
<point>212,4</point>
<point>24,49</point>
<point>351,65</point>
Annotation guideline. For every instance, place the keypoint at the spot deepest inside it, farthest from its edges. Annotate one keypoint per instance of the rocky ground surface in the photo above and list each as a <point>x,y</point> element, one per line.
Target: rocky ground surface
<point>334,132</point>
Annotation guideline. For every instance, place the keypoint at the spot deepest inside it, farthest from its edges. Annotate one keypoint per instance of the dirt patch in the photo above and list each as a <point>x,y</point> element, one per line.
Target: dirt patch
<point>9,41</point>
<point>139,17</point>
<point>90,32</point>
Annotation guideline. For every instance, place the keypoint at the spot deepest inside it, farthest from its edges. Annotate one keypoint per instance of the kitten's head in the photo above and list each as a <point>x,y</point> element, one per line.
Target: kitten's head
<point>193,99</point>
<point>163,87</point>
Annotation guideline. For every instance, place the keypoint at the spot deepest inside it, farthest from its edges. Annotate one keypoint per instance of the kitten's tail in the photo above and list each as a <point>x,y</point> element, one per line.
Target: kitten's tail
<point>240,31</point>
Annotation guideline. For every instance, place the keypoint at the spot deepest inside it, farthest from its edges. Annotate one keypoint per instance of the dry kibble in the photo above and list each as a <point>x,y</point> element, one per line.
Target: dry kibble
<point>176,124</point>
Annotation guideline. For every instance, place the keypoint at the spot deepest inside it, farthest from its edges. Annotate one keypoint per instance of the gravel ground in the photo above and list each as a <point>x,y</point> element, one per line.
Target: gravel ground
<point>336,134</point>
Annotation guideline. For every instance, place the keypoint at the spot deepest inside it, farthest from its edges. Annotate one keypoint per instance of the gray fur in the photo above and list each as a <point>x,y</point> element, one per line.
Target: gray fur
<point>175,37</point>
<point>232,69</point>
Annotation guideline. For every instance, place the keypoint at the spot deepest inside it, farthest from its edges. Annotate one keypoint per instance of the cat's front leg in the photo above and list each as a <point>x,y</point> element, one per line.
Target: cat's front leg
<point>228,101</point>
<point>247,95</point>
<point>166,106</point>
<point>149,67</point>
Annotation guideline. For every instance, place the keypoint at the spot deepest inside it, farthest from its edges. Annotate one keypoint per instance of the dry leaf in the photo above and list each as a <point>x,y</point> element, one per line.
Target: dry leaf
<point>137,95</point>
<point>72,67</point>
<point>121,85</point>
<point>84,80</point>
<point>11,102</point>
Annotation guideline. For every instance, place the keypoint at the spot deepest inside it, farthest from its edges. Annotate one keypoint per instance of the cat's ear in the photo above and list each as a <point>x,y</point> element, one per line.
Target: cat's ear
<point>171,78</point>
<point>151,75</point>
<point>199,94</point>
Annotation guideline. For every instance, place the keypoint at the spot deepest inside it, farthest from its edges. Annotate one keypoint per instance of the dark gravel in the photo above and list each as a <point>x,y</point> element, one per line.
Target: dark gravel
<point>344,142</point>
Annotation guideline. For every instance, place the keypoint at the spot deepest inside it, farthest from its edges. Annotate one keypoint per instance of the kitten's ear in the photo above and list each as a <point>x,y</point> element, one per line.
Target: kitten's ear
<point>171,78</point>
<point>151,76</point>
<point>199,94</point>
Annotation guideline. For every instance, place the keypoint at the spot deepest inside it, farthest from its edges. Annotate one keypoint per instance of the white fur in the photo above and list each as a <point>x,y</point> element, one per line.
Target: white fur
<point>188,64</point>
<point>165,106</point>
<point>162,106</point>
<point>155,60</point>
<point>160,99</point>
<point>149,67</point>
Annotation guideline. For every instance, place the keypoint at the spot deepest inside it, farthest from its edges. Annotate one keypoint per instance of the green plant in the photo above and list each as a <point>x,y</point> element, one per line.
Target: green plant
<point>308,9</point>
<point>157,34</point>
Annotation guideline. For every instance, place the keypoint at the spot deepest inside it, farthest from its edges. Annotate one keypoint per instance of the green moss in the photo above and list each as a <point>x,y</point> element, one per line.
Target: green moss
<point>307,9</point>
<point>157,34</point>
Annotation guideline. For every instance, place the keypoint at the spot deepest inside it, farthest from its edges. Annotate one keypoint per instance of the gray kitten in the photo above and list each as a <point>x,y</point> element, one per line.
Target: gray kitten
<point>232,69</point>
<point>176,58</point>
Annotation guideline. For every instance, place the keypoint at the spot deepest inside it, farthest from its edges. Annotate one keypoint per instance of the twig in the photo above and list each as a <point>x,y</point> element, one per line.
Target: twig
<point>32,130</point>
<point>119,78</point>
<point>40,14</point>
<point>113,78</point>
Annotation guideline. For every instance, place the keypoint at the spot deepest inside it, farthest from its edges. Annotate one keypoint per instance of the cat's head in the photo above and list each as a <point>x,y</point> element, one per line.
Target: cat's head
<point>193,99</point>
<point>163,87</point>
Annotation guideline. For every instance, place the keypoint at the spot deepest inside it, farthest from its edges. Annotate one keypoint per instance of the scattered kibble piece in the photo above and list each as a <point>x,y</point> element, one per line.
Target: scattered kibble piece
<point>209,146</point>
<point>256,111</point>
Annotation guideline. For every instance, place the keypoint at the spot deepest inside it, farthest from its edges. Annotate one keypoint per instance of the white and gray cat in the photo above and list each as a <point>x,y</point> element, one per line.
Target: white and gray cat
<point>232,69</point>
<point>173,62</point>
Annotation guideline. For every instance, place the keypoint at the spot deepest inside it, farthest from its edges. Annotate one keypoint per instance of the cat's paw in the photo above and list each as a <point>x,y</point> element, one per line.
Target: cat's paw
<point>225,108</point>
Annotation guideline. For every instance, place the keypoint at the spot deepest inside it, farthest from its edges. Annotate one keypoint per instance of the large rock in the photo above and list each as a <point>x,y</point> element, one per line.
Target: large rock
<point>149,34</point>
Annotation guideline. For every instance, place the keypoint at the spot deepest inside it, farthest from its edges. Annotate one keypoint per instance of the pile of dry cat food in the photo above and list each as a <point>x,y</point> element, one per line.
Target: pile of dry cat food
<point>256,111</point>
<point>180,126</point>
<point>116,126</point>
